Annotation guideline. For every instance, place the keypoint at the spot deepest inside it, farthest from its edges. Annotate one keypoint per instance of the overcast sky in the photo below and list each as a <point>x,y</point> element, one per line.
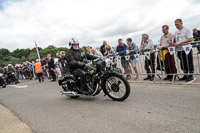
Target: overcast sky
<point>54,22</point>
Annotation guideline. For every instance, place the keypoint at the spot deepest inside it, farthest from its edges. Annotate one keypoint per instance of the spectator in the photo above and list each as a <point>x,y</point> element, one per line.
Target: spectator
<point>102,48</point>
<point>97,53</point>
<point>17,71</point>
<point>131,50</point>
<point>121,51</point>
<point>58,55</point>
<point>64,63</point>
<point>196,36</point>
<point>51,67</point>
<point>30,70</point>
<point>89,50</point>
<point>147,44</point>
<point>184,35</point>
<point>109,51</point>
<point>59,64</point>
<point>38,70</point>
<point>34,73</point>
<point>43,62</point>
<point>47,68</point>
<point>165,42</point>
<point>44,67</point>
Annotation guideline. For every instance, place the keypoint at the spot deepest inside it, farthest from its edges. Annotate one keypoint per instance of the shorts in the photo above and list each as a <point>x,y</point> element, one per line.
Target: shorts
<point>133,62</point>
<point>125,63</point>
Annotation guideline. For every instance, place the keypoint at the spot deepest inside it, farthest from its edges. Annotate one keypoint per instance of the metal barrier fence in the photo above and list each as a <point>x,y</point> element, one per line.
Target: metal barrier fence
<point>166,62</point>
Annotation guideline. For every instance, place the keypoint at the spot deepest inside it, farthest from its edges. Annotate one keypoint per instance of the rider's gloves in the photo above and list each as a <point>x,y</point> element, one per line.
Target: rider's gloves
<point>88,64</point>
<point>80,64</point>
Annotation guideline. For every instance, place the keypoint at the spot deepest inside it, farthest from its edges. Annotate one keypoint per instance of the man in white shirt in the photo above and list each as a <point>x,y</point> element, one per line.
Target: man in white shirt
<point>166,41</point>
<point>147,45</point>
<point>97,53</point>
<point>184,35</point>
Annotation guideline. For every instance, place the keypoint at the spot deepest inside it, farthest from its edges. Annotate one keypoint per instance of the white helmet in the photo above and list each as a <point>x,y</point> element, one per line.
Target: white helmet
<point>73,41</point>
<point>9,65</point>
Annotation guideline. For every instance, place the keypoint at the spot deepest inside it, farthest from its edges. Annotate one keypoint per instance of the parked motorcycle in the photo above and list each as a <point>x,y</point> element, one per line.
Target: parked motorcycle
<point>2,80</point>
<point>98,77</point>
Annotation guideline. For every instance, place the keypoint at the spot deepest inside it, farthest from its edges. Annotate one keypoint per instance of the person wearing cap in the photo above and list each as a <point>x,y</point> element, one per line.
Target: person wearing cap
<point>38,70</point>
<point>147,45</point>
<point>121,51</point>
<point>166,41</point>
<point>184,36</point>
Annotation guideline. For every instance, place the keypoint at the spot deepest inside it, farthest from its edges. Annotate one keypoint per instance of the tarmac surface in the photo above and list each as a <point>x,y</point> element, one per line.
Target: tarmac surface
<point>9,123</point>
<point>150,108</point>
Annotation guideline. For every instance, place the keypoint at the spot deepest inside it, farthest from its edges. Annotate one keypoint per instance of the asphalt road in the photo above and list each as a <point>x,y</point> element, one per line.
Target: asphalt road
<point>149,109</point>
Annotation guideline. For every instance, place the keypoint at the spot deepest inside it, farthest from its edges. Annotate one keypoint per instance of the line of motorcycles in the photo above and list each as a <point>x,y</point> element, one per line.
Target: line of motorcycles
<point>8,78</point>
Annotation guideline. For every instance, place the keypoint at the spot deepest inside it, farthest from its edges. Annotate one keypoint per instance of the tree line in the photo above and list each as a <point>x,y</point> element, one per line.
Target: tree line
<point>18,56</point>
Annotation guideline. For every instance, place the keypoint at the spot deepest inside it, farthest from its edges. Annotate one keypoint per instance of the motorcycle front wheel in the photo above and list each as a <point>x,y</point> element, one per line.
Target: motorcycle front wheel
<point>116,87</point>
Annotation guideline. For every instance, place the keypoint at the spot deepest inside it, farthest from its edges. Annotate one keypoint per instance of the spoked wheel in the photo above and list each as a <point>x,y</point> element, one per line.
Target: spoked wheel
<point>117,87</point>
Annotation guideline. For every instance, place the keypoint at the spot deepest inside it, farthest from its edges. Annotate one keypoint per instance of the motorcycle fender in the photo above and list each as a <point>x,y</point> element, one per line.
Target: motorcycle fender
<point>113,73</point>
<point>63,79</point>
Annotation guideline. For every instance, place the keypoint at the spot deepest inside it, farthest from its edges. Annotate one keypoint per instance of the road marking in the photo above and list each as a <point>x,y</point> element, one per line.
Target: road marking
<point>18,86</point>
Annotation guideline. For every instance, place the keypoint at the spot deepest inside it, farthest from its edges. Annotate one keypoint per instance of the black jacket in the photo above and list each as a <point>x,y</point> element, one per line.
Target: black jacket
<point>196,36</point>
<point>51,63</point>
<point>102,49</point>
<point>63,59</point>
<point>43,63</point>
<point>76,58</point>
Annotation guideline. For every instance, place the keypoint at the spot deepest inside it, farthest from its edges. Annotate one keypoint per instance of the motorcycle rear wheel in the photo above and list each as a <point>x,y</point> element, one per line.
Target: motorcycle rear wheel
<point>74,97</point>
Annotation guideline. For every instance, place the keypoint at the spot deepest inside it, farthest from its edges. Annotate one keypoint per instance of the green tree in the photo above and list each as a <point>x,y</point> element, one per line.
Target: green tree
<point>32,57</point>
<point>4,52</point>
<point>62,49</point>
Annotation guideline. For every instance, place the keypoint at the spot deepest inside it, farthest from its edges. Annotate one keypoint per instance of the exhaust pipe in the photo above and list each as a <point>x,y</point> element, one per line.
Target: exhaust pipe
<point>69,93</point>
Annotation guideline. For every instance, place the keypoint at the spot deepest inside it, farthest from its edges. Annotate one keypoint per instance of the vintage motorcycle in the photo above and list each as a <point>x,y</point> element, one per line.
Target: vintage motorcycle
<point>11,78</point>
<point>2,80</point>
<point>99,77</point>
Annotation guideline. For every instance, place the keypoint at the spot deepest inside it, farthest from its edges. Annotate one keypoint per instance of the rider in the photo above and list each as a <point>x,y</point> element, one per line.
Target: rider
<point>9,71</point>
<point>76,59</point>
<point>10,68</point>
